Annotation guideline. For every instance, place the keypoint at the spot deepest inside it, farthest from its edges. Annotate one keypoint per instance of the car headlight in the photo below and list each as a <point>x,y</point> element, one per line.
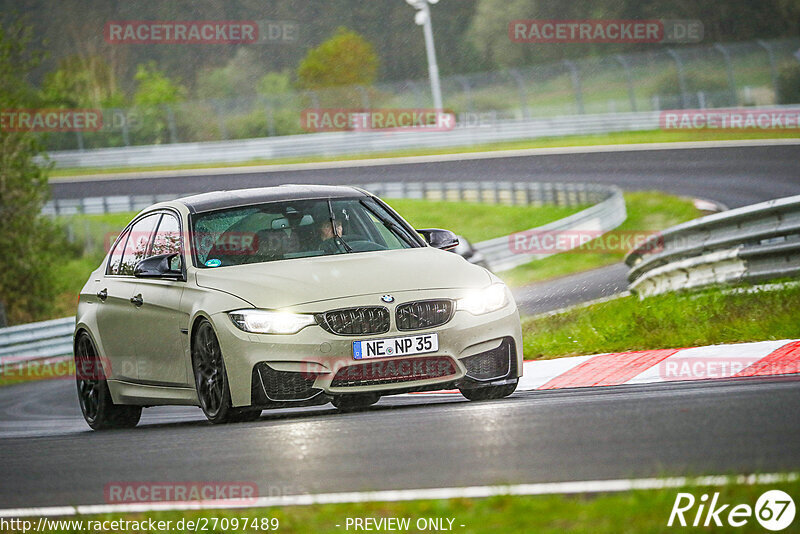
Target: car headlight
<point>484,300</point>
<point>270,322</point>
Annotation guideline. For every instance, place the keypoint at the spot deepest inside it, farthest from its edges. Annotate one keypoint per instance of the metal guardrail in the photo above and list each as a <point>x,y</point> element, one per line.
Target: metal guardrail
<point>351,142</point>
<point>749,244</point>
<point>100,205</point>
<point>606,213</point>
<point>600,218</point>
<point>358,142</point>
<point>36,341</point>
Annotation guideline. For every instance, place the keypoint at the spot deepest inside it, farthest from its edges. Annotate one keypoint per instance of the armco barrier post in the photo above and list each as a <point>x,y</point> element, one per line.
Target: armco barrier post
<point>681,77</point>
<point>576,85</point>
<point>729,71</point>
<point>772,68</point>
<point>629,79</point>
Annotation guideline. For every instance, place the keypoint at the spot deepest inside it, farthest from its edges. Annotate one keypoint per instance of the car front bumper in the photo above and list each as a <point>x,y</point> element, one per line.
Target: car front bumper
<point>313,365</point>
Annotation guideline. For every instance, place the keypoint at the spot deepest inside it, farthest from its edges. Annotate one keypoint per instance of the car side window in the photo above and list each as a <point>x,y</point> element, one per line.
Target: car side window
<point>137,244</point>
<point>115,259</point>
<point>168,240</point>
<point>168,236</point>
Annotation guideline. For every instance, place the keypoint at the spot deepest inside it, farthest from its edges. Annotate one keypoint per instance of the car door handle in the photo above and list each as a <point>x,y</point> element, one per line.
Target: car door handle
<point>102,294</point>
<point>137,300</point>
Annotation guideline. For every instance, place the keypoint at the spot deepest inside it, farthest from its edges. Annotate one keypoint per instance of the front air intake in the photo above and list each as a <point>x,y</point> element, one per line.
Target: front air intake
<point>393,371</point>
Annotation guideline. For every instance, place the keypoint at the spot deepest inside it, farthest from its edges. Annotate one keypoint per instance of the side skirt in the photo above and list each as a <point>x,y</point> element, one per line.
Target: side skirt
<point>150,395</point>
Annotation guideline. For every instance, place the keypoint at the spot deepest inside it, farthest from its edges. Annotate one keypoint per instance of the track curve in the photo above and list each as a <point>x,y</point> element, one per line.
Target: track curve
<point>735,176</point>
<point>420,441</point>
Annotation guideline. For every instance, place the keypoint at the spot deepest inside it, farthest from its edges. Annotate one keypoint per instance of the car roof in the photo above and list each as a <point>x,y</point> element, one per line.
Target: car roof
<point>258,195</point>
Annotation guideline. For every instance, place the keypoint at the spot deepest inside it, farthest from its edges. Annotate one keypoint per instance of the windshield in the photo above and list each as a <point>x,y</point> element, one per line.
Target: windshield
<point>295,229</point>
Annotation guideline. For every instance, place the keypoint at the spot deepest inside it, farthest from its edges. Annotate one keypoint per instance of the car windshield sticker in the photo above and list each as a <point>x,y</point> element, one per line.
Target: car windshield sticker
<point>213,263</point>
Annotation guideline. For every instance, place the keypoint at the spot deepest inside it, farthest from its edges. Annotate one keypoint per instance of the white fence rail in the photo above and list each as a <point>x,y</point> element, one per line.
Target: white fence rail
<point>359,142</point>
<point>749,244</point>
<point>42,341</point>
<point>350,143</point>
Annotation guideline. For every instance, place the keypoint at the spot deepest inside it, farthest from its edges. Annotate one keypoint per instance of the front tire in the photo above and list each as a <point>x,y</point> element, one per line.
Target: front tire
<point>211,380</point>
<point>94,397</point>
<point>490,392</point>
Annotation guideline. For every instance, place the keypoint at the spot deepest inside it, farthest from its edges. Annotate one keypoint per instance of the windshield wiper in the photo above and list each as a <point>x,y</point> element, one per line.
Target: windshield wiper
<point>398,231</point>
<point>336,234</point>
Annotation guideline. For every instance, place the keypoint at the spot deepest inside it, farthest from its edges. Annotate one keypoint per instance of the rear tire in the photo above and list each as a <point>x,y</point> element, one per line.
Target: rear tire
<point>94,397</point>
<point>211,380</point>
<point>490,392</point>
<point>354,402</point>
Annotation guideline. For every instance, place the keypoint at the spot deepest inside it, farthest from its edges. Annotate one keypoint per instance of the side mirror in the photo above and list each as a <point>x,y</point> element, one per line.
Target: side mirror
<point>441,239</point>
<point>159,266</point>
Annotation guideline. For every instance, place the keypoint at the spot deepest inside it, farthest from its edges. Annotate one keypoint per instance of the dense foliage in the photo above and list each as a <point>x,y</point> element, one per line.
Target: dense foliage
<point>29,241</point>
<point>471,35</point>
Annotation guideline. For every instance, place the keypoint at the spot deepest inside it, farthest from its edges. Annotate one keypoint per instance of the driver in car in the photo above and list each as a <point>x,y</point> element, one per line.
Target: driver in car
<point>330,242</point>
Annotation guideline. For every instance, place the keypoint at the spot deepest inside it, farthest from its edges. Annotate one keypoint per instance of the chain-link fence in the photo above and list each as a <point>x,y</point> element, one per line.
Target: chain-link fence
<point>711,76</point>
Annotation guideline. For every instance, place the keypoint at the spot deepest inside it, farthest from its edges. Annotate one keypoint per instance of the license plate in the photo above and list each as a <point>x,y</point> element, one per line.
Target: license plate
<point>398,346</point>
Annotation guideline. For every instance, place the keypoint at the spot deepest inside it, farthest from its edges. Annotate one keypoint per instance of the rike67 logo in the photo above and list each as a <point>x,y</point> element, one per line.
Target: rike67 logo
<point>774,510</point>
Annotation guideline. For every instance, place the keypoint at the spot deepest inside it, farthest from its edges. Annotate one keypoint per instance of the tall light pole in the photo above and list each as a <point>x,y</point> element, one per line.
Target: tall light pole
<point>423,18</point>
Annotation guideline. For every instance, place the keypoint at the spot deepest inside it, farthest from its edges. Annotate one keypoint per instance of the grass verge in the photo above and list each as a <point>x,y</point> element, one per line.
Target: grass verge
<point>632,511</point>
<point>672,320</point>
<point>478,222</point>
<point>647,211</point>
<point>617,138</point>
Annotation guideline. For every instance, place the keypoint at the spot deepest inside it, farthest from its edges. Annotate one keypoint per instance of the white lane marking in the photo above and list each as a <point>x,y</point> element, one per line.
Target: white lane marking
<point>713,361</point>
<point>471,492</point>
<point>438,158</point>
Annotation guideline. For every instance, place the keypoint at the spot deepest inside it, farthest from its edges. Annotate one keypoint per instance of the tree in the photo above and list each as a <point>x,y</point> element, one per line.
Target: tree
<point>82,83</point>
<point>155,87</point>
<point>29,241</point>
<point>344,59</point>
<point>154,91</point>
<point>275,83</point>
<point>238,78</point>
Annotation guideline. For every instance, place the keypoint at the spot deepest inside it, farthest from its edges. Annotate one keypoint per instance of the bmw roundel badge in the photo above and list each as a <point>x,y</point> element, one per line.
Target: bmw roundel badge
<point>387,298</point>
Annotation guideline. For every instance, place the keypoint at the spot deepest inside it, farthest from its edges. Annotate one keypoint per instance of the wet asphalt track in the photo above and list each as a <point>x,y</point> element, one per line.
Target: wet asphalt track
<point>418,441</point>
<point>733,176</point>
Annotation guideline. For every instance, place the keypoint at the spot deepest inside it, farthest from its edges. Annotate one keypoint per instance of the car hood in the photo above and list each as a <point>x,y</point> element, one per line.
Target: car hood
<point>282,284</point>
